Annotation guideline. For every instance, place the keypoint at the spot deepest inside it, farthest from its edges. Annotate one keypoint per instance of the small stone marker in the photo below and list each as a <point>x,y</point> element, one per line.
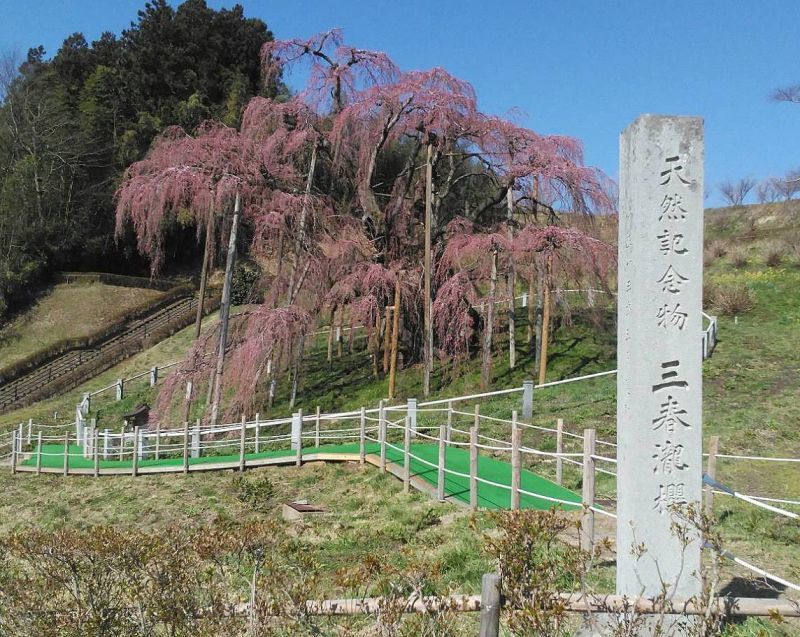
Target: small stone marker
<point>659,382</point>
<point>297,429</point>
<point>527,399</point>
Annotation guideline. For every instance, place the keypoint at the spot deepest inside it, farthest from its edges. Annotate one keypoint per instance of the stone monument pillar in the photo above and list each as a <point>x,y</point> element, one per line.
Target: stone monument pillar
<point>659,383</point>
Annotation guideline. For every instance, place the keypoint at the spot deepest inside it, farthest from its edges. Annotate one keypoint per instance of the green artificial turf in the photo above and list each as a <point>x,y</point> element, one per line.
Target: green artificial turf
<point>490,496</point>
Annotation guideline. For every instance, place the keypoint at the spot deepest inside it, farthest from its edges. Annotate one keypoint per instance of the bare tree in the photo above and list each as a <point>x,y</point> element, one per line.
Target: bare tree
<point>9,69</point>
<point>765,191</point>
<point>787,94</point>
<point>735,192</point>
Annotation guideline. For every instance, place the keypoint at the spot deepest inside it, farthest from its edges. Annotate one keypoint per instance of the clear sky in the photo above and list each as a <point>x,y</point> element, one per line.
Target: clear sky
<point>584,68</point>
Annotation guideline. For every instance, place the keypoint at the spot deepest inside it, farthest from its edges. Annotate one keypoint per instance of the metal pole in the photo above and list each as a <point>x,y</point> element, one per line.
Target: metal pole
<point>516,468</point>
<point>442,461</point>
<point>473,468</point>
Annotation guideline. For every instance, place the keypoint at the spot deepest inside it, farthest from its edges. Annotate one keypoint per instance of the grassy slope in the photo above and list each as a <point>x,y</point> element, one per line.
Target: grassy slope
<point>751,402</point>
<point>68,311</point>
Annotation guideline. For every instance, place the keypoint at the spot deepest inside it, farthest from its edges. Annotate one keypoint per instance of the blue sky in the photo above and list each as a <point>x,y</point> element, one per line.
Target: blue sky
<point>582,68</point>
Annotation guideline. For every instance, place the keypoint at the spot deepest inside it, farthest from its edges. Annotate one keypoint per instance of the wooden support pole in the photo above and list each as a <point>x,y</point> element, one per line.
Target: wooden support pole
<point>96,451</point>
<point>39,452</point>
<point>258,433</point>
<point>559,451</point>
<point>382,431</point>
<point>242,439</point>
<point>442,461</point>
<point>362,437</point>
<point>711,470</point>
<point>387,337</point>
<point>473,468</point>
<point>316,427</point>
<point>516,464</point>
<point>135,458</point>
<point>588,493</point>
<point>490,605</point>
<point>66,455</point>
<point>477,421</point>
<point>185,446</point>
<point>406,457</point>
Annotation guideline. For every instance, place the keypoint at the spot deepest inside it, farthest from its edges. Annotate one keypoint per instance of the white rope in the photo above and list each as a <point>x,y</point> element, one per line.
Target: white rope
<point>757,458</point>
<point>760,571</point>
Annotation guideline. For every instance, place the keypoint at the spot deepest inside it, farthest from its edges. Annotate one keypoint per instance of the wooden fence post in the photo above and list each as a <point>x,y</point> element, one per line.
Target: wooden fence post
<point>96,451</point>
<point>362,437</point>
<point>382,431</point>
<point>185,446</point>
<point>122,442</point>
<point>490,605</point>
<point>407,457</point>
<point>316,427</point>
<point>473,468</point>
<point>516,468</point>
<point>258,432</point>
<point>120,389</point>
<point>299,459</point>
<point>559,451</point>
<point>242,438</point>
<point>39,452</point>
<point>442,461</point>
<point>477,422</point>
<point>66,454</point>
<point>135,458</point>
<point>711,470</point>
<point>30,426</point>
<point>587,519</point>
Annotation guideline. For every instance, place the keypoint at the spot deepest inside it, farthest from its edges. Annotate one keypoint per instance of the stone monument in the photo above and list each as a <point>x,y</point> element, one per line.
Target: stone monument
<point>659,383</point>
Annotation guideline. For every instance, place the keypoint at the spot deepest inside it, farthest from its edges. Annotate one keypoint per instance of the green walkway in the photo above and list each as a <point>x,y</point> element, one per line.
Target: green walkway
<point>456,459</point>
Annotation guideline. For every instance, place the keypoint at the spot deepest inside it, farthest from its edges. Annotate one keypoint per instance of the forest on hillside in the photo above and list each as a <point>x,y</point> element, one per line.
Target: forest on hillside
<point>71,123</point>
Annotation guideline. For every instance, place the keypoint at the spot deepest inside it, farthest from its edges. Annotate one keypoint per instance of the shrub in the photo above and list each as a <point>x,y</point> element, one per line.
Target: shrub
<point>738,257</point>
<point>717,248</point>
<point>775,253</point>
<point>258,492</point>
<point>732,299</point>
<point>244,287</point>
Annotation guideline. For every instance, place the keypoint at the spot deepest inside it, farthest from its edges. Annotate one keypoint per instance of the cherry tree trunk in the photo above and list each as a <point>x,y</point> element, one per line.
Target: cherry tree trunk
<point>302,228</point>
<point>486,363</point>
<point>538,330</point>
<point>298,363</point>
<point>512,284</point>
<point>531,311</point>
<point>428,336</point>
<point>225,310</point>
<point>545,323</point>
<point>331,329</point>
<point>204,273</point>
<point>395,340</point>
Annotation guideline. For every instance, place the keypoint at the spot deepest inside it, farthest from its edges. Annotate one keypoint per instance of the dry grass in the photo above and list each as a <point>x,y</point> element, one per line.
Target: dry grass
<point>68,311</point>
<point>775,253</point>
<point>738,256</point>
<point>729,299</point>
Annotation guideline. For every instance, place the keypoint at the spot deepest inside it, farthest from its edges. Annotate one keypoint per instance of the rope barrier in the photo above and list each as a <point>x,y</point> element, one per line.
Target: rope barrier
<point>727,490</point>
